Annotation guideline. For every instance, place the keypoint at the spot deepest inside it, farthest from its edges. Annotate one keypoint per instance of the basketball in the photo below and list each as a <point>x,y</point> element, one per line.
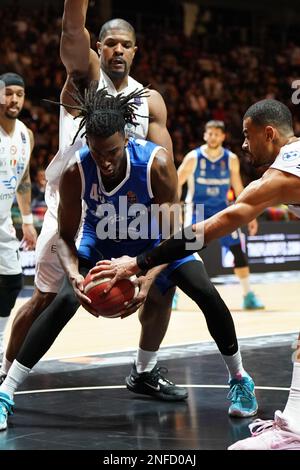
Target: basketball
<point>110,304</point>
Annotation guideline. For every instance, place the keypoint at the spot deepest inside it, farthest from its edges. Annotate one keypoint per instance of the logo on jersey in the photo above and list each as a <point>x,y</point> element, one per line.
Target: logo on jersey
<point>11,183</point>
<point>13,150</point>
<point>23,137</point>
<point>203,164</point>
<point>137,100</point>
<point>290,156</point>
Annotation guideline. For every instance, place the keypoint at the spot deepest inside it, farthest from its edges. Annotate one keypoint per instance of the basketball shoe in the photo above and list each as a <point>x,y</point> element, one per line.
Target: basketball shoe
<point>269,435</point>
<point>6,409</point>
<point>153,383</point>
<point>242,397</point>
<point>251,302</point>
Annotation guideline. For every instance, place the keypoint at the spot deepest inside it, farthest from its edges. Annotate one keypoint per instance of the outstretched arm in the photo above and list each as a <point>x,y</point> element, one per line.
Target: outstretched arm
<point>271,189</point>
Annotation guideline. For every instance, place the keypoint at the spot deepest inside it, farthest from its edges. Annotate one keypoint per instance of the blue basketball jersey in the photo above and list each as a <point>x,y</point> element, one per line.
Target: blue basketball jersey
<point>116,212</point>
<point>109,222</point>
<point>209,183</point>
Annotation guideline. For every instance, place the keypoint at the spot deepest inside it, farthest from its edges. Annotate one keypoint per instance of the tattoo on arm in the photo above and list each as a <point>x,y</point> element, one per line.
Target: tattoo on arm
<point>25,183</point>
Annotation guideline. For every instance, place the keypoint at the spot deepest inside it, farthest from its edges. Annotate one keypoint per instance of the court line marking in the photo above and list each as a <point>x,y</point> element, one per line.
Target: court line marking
<point>112,387</point>
<point>191,343</point>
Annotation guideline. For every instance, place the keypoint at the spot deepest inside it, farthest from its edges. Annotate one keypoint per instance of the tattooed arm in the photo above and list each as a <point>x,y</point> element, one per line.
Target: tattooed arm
<point>23,196</point>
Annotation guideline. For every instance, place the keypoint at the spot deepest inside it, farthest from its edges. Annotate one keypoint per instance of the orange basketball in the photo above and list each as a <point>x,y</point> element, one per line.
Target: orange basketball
<point>110,304</point>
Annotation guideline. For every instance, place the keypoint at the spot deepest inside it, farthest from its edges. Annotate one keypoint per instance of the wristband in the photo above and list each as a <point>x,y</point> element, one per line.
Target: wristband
<point>27,219</point>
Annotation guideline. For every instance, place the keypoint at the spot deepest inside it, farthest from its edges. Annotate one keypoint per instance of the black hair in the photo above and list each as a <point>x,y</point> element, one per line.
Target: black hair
<point>102,113</point>
<point>116,23</point>
<point>271,112</point>
<point>215,124</point>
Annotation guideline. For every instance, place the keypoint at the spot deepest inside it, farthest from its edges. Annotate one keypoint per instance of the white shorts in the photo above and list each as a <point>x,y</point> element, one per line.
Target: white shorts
<point>9,248</point>
<point>49,272</point>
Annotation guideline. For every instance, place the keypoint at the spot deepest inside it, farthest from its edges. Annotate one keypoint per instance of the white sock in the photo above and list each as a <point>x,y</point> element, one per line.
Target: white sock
<point>234,366</point>
<point>245,283</point>
<point>16,376</point>
<point>145,360</point>
<point>5,366</point>
<point>3,322</point>
<point>292,408</point>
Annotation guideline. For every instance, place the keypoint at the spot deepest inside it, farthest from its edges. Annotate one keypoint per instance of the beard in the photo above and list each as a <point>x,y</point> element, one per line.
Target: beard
<point>8,115</point>
<point>116,74</point>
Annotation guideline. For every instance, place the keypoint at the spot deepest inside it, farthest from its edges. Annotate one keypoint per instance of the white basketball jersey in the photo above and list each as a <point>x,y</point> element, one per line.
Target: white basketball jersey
<point>14,159</point>
<point>288,160</point>
<point>140,131</point>
<point>68,126</point>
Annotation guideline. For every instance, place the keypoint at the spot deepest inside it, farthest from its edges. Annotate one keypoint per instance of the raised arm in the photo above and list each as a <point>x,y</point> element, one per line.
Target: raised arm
<point>158,131</point>
<point>75,45</point>
<point>81,62</point>
<point>23,196</point>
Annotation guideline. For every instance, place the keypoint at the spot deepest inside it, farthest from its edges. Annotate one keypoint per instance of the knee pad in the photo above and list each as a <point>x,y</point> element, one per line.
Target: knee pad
<point>240,258</point>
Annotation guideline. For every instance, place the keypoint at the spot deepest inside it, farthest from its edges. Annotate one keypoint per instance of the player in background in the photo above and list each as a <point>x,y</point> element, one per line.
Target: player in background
<point>16,144</point>
<point>209,171</point>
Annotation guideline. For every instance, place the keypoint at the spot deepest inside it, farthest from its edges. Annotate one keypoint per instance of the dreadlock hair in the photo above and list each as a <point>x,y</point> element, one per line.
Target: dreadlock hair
<point>103,114</point>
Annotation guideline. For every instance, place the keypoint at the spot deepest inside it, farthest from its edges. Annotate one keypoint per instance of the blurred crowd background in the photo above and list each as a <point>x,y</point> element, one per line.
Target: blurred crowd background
<point>209,62</point>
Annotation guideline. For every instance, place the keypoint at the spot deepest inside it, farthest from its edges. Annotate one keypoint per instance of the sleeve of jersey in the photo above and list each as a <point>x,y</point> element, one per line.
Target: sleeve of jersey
<point>180,245</point>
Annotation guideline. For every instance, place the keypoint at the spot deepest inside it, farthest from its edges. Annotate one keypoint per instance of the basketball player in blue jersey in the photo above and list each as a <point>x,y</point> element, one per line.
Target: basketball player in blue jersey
<point>110,66</point>
<point>110,168</point>
<point>209,171</point>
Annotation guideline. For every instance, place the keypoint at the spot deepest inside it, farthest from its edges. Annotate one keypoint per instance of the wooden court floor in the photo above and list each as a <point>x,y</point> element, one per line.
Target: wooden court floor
<point>88,335</point>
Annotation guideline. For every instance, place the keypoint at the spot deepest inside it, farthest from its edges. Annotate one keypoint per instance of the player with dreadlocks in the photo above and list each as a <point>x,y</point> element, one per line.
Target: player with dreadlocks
<point>110,66</point>
<point>109,169</point>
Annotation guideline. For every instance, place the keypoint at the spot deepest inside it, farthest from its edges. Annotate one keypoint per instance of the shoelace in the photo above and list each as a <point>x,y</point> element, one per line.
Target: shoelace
<point>262,425</point>
<point>269,425</point>
<point>157,374</point>
<point>239,390</point>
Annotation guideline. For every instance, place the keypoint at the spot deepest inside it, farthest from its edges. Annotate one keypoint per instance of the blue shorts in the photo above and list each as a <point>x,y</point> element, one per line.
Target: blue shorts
<point>92,249</point>
<point>227,241</point>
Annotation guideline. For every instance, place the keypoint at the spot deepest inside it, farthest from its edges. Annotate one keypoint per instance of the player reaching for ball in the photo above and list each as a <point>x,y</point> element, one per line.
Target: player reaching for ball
<point>121,180</point>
